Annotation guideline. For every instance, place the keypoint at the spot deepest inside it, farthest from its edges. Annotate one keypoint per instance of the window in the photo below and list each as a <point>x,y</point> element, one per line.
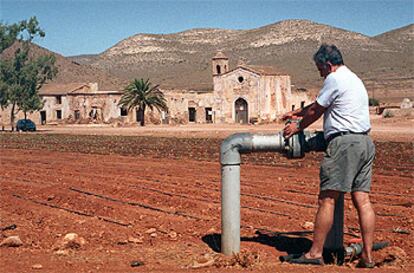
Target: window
<point>209,115</point>
<point>124,112</point>
<point>302,104</point>
<point>58,114</point>
<point>165,117</point>
<point>241,79</point>
<point>58,99</point>
<point>77,114</point>
<point>293,107</point>
<point>191,114</point>
<point>93,113</point>
<point>218,69</point>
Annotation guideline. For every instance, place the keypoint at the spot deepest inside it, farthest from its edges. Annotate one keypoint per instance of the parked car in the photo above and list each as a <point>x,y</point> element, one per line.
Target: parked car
<point>25,125</point>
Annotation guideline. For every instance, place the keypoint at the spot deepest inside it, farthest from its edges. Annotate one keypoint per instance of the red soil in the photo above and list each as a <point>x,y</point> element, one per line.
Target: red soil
<point>124,187</point>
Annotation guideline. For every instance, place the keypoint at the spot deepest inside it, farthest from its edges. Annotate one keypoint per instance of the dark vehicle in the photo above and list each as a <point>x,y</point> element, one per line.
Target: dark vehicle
<point>25,125</point>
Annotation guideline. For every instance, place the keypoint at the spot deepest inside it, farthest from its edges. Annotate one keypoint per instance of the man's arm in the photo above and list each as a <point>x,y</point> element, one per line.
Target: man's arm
<point>300,112</point>
<point>313,112</point>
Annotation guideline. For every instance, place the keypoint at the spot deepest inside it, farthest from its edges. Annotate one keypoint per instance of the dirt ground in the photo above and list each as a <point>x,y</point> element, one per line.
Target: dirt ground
<point>394,129</point>
<point>153,195</point>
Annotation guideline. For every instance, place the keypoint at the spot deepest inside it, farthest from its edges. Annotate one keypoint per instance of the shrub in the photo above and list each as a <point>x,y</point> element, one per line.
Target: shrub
<point>387,114</point>
<point>373,102</point>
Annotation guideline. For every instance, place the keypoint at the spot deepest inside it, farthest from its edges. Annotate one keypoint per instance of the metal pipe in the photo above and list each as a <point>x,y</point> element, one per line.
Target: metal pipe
<point>230,160</point>
<point>230,212</point>
<point>230,151</point>
<point>356,249</point>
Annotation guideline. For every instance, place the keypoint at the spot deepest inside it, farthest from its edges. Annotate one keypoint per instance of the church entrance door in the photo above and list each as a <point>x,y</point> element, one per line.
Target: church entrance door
<point>241,110</point>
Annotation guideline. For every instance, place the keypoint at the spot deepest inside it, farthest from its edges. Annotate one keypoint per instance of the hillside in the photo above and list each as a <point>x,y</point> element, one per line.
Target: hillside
<point>69,71</point>
<point>402,38</point>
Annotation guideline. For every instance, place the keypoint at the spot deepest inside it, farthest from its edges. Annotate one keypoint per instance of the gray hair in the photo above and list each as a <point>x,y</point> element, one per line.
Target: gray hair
<point>328,53</point>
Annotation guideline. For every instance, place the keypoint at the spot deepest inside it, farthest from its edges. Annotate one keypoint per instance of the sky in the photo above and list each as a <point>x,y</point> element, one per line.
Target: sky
<point>75,27</point>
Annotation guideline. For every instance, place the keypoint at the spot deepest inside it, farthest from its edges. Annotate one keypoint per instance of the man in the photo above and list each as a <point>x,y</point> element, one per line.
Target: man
<point>347,163</point>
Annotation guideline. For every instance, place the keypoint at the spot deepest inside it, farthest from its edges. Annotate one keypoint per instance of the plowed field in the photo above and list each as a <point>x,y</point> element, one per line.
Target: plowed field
<point>157,200</point>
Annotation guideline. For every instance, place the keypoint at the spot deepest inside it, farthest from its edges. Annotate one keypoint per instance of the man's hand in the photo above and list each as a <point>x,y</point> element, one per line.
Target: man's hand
<point>291,129</point>
<point>311,113</point>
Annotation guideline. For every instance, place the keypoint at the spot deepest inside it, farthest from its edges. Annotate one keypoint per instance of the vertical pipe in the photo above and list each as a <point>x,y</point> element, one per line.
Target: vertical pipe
<point>230,209</point>
<point>335,240</point>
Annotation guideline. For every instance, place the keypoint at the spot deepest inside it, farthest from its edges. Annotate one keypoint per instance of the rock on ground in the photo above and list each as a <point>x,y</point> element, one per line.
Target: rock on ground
<point>70,241</point>
<point>11,241</point>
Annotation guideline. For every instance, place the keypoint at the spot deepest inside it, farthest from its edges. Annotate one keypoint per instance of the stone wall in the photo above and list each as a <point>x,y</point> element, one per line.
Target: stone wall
<point>179,102</point>
<point>96,108</point>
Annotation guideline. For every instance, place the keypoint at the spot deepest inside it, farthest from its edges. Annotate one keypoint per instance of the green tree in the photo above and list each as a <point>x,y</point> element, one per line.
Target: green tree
<point>141,94</point>
<point>21,76</point>
<point>23,31</point>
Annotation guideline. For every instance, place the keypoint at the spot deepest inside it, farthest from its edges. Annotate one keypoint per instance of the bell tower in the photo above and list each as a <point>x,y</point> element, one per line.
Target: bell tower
<point>220,64</point>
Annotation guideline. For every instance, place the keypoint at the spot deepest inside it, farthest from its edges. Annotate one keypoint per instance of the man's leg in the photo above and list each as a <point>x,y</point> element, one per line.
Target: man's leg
<point>366,216</point>
<point>323,222</point>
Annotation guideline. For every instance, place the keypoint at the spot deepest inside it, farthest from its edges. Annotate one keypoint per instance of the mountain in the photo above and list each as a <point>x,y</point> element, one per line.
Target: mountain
<point>401,38</point>
<point>69,71</point>
<point>183,60</point>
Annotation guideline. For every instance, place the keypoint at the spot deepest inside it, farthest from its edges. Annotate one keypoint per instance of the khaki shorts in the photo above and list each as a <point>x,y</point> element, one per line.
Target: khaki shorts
<point>347,164</point>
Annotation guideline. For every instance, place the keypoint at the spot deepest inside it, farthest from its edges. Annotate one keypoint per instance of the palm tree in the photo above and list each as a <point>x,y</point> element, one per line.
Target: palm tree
<point>142,94</point>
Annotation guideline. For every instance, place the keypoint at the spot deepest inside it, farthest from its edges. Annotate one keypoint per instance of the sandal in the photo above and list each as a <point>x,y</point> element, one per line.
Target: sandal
<point>303,260</point>
<point>364,264</point>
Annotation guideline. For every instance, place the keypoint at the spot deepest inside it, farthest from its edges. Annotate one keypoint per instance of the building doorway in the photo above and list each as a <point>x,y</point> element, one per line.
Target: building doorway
<point>77,115</point>
<point>42,117</point>
<point>191,114</point>
<point>58,114</point>
<point>139,114</point>
<point>241,111</point>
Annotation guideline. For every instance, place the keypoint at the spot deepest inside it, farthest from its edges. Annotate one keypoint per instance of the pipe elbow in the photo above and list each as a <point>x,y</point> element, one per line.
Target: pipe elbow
<point>233,146</point>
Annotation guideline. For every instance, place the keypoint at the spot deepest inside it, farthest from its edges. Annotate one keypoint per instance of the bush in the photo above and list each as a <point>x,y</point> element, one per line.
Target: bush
<point>373,102</point>
<point>387,114</point>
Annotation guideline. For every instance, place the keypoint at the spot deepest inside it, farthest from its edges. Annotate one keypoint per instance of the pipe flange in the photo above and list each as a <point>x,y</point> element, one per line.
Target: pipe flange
<point>294,146</point>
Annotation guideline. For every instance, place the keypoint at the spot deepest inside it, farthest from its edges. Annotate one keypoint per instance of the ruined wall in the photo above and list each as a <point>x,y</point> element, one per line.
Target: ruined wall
<point>96,108</point>
<point>90,108</point>
<point>276,97</point>
<point>179,102</point>
<point>50,106</point>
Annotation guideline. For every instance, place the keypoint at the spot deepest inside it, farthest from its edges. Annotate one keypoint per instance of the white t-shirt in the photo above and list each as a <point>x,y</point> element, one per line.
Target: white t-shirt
<point>346,99</point>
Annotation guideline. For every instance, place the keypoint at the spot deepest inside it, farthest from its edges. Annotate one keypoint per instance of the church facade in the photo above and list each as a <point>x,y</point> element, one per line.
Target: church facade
<point>248,94</point>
